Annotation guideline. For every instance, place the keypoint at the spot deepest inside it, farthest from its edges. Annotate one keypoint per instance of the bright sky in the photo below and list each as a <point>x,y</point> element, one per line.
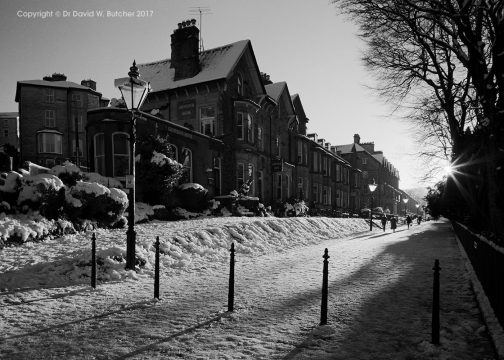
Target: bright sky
<point>305,43</point>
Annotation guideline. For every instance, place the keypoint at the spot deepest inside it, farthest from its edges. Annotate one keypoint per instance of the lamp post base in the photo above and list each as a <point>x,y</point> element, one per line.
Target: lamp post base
<point>130,249</point>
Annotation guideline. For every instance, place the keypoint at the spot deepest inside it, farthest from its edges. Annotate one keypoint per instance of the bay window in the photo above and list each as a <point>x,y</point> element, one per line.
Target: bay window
<point>50,142</point>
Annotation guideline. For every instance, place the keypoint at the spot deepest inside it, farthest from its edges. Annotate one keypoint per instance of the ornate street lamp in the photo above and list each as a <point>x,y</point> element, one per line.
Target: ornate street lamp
<point>133,91</point>
<point>405,200</point>
<point>372,188</point>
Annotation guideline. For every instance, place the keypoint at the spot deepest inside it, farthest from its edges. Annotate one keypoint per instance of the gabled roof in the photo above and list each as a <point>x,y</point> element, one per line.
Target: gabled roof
<point>348,148</point>
<point>217,63</point>
<point>54,84</point>
<point>275,90</point>
<point>298,107</point>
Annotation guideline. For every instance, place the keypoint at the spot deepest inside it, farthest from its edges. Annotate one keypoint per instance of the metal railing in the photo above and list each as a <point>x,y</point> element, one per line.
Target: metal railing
<point>488,264</point>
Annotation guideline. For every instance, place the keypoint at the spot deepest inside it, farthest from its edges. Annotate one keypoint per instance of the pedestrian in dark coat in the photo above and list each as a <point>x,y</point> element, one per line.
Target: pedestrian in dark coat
<point>408,220</point>
<point>384,222</point>
<point>393,223</point>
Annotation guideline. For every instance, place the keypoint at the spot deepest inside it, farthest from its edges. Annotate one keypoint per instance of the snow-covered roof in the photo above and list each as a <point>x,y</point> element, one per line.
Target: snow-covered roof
<point>217,63</point>
<point>275,90</point>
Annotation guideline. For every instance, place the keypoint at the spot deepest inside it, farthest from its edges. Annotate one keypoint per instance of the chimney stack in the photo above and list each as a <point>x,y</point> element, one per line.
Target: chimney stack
<point>55,77</point>
<point>356,139</point>
<point>89,83</point>
<point>185,50</point>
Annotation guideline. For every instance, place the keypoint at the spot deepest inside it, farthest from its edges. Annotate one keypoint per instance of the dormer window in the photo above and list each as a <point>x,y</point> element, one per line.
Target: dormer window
<point>239,84</point>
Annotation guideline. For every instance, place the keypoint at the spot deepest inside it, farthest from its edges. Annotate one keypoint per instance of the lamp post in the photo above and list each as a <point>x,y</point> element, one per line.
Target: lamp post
<point>372,188</point>
<point>417,206</point>
<point>133,91</point>
<point>405,200</point>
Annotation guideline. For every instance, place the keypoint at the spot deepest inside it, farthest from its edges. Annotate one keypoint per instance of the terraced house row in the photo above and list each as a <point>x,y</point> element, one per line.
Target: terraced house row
<point>227,124</point>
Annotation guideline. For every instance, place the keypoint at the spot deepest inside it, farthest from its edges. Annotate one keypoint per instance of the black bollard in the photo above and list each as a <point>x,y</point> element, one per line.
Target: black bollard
<point>156,271</point>
<point>325,275</point>
<point>231,279</point>
<point>435,304</point>
<point>93,261</point>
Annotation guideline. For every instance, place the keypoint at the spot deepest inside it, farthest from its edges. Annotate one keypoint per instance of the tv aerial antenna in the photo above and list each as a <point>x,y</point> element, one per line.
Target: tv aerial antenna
<point>201,10</point>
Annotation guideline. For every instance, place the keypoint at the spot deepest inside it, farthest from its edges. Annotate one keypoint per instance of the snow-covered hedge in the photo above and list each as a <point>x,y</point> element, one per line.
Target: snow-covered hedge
<point>63,192</point>
<point>28,227</point>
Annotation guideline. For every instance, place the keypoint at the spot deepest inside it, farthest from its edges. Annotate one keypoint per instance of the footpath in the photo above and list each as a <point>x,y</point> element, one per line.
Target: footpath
<point>383,311</point>
<point>379,307</point>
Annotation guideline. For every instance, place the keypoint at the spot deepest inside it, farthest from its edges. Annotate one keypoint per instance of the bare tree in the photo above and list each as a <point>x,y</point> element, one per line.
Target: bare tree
<point>442,61</point>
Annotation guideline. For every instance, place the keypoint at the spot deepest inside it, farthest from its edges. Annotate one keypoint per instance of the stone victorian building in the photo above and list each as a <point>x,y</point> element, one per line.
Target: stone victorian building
<point>229,124</point>
<point>52,119</point>
<point>373,165</point>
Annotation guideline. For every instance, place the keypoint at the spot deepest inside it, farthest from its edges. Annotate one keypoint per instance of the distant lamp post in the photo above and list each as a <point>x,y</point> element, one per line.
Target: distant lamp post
<point>133,91</point>
<point>405,200</point>
<point>417,206</point>
<point>372,188</point>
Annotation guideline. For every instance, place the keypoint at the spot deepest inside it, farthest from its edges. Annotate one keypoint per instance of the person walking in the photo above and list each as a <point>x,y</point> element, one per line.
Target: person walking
<point>393,223</point>
<point>408,221</point>
<point>384,222</point>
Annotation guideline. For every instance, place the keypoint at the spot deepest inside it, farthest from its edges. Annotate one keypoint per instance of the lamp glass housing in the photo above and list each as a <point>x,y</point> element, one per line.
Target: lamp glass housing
<point>133,91</point>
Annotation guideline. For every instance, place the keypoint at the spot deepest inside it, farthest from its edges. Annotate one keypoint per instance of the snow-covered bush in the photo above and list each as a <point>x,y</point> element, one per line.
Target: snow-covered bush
<point>41,192</point>
<point>291,208</point>
<point>193,197</point>
<point>157,172</point>
<point>68,173</point>
<point>94,201</point>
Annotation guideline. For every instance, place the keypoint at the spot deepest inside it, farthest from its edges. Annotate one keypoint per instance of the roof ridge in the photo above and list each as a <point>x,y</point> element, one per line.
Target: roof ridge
<point>203,52</point>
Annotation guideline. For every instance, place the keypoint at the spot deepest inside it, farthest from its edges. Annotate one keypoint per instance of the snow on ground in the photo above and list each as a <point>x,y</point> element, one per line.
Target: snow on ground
<point>379,285</point>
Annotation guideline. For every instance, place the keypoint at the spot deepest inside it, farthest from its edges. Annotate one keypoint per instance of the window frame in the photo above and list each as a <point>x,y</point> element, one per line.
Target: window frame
<point>189,151</point>
<point>240,125</point>
<point>49,96</point>
<point>114,134</point>
<point>240,176</point>
<point>42,138</point>
<point>77,99</point>
<point>207,120</point>
<point>239,84</point>
<point>250,129</point>
<point>99,157</point>
<point>81,148</point>
<point>50,121</point>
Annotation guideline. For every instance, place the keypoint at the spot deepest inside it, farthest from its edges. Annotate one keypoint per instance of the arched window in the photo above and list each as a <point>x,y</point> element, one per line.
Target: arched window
<point>120,154</point>
<point>186,160</point>
<point>174,152</point>
<point>99,153</point>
